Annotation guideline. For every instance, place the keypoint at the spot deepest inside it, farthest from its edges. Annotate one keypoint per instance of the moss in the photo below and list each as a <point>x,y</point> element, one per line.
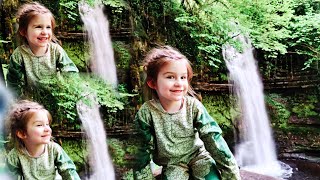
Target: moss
<point>122,54</point>
<point>219,107</point>
<point>77,151</point>
<point>305,105</point>
<point>122,150</point>
<point>78,52</point>
<point>278,110</point>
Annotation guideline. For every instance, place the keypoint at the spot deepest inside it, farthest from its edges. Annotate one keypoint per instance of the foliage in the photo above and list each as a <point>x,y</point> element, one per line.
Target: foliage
<point>208,36</point>
<point>274,26</point>
<point>78,53</point>
<point>117,152</point>
<point>218,106</point>
<point>268,22</point>
<point>118,6</point>
<point>77,151</point>
<point>69,10</point>
<point>305,30</point>
<point>61,94</point>
<point>277,106</point>
<point>122,152</point>
<point>69,16</point>
<point>307,107</point>
<point>122,54</point>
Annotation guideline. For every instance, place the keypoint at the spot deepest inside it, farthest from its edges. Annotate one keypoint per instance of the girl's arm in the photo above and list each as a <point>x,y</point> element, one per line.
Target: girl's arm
<point>211,135</point>
<point>65,165</point>
<point>15,75</point>
<point>143,154</point>
<point>13,164</point>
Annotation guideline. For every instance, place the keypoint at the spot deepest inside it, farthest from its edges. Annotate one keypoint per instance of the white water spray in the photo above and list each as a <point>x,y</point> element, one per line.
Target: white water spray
<point>103,65</point>
<point>97,27</point>
<point>100,161</point>
<point>6,99</point>
<point>256,151</point>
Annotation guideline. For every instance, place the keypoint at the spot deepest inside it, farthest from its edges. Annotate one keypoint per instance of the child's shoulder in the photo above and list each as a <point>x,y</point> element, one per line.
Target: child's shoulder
<point>150,106</point>
<point>55,46</point>
<point>13,151</point>
<point>54,146</point>
<point>192,101</point>
<point>20,49</point>
<point>148,103</point>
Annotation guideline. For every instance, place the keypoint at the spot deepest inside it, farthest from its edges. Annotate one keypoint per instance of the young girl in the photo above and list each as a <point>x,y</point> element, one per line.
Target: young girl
<point>34,155</point>
<point>176,130</point>
<point>38,57</point>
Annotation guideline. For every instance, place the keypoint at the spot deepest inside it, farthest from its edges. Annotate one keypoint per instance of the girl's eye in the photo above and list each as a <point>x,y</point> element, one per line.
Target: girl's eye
<point>48,27</point>
<point>170,77</point>
<point>39,125</point>
<point>184,77</point>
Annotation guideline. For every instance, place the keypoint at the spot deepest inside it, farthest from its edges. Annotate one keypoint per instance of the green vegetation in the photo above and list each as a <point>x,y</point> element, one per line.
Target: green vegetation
<point>78,52</point>
<point>77,151</point>
<point>220,108</point>
<point>277,106</point>
<point>122,55</point>
<point>61,94</point>
<point>301,106</point>
<point>305,106</point>
<point>286,30</point>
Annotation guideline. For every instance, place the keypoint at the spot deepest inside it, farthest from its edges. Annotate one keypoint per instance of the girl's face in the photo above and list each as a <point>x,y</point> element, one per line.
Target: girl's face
<point>39,32</point>
<point>172,82</point>
<point>38,129</point>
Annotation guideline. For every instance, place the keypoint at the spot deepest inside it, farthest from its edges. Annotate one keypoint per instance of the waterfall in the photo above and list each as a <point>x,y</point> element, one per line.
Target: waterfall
<point>6,99</point>
<point>256,150</point>
<point>97,27</point>
<point>103,65</point>
<point>99,158</point>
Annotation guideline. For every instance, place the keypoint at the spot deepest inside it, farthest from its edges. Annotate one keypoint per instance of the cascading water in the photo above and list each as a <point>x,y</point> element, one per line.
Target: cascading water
<point>256,151</point>
<point>97,27</point>
<point>103,65</point>
<point>92,124</point>
<point>5,99</point>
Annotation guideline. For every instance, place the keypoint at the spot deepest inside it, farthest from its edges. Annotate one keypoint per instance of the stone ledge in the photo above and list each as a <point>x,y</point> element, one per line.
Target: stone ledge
<point>247,175</point>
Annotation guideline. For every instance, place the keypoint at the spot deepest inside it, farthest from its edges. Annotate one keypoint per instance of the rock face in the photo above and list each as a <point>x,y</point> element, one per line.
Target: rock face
<point>247,175</point>
<point>303,137</point>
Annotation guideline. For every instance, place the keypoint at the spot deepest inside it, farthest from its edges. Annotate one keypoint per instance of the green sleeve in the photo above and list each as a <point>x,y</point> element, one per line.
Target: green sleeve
<point>15,75</point>
<point>145,147</point>
<point>13,164</point>
<point>211,135</point>
<point>66,167</point>
<point>65,64</point>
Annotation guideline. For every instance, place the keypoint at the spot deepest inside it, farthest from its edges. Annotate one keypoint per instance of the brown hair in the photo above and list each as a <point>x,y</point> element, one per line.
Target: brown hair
<point>19,115</point>
<point>156,59</point>
<point>24,15</point>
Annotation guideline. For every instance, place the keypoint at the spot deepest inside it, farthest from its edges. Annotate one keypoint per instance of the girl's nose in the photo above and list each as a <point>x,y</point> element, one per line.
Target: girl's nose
<point>44,31</point>
<point>47,128</point>
<point>177,82</point>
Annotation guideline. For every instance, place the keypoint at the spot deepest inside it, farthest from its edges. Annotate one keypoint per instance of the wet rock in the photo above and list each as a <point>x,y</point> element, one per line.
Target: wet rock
<point>247,175</point>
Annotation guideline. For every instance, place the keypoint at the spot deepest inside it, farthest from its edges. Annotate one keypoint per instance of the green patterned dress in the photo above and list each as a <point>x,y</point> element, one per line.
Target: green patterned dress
<point>187,143</point>
<point>44,167</point>
<point>27,69</point>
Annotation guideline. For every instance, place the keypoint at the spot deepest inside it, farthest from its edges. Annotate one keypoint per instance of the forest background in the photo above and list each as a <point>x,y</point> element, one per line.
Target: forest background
<point>284,33</point>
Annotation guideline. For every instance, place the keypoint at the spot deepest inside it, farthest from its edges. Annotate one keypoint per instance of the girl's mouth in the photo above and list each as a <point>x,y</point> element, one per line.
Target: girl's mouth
<point>176,91</point>
<point>43,39</point>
